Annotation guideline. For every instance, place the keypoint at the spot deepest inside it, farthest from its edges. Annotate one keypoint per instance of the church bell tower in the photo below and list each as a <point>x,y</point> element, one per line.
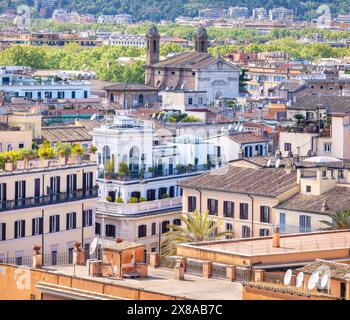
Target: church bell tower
<point>201,40</point>
<point>152,46</point>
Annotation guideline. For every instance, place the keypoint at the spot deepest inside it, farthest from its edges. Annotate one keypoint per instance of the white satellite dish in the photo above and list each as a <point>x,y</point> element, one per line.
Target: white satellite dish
<point>324,281</point>
<point>93,246</point>
<point>277,164</point>
<point>240,128</point>
<point>313,280</point>
<point>300,279</point>
<point>236,127</point>
<point>287,277</point>
<point>268,164</point>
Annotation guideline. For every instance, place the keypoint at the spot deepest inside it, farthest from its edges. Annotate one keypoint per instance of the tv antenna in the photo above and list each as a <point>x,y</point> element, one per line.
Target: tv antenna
<point>324,281</point>
<point>300,279</point>
<point>278,163</point>
<point>313,280</point>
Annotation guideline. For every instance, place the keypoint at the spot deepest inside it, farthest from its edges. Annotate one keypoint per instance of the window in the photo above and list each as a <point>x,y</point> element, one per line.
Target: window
<point>229,228</point>
<point>243,211</point>
<point>245,232</point>
<point>327,147</point>
<point>192,206</point>
<point>71,220</point>
<point>55,185</point>
<point>282,222</point>
<point>340,175</point>
<point>71,182</point>
<point>190,101</point>
<point>87,218</point>
<point>54,223</point>
<point>154,228</point>
<point>88,181</point>
<point>20,145</point>
<point>70,255</point>
<point>264,232</point>
<point>54,257</point>
<point>229,209</point>
<point>142,231</point>
<point>20,190</point>
<point>172,72</point>
<point>20,229</point>
<point>2,231</point>
<point>177,222</point>
<point>110,230</point>
<point>98,228</point>
<point>3,193</point>
<point>212,206</point>
<point>287,147</point>
<point>304,223</point>
<point>165,226</point>
<point>200,101</point>
<point>265,214</point>
<point>37,226</point>
<point>308,189</point>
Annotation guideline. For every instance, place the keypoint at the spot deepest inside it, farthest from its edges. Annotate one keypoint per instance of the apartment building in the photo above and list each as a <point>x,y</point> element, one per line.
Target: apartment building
<point>259,13</point>
<point>137,177</point>
<point>280,14</point>
<point>46,202</point>
<point>126,40</point>
<point>261,79</point>
<point>243,197</point>
<point>238,12</point>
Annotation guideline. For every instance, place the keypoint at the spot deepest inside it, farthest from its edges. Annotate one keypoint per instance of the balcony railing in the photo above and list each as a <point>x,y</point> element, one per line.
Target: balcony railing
<point>49,199</point>
<point>155,173</point>
<point>134,208</point>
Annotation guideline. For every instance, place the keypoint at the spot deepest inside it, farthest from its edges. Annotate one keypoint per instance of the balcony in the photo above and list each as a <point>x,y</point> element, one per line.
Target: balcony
<point>155,172</point>
<point>137,208</point>
<point>49,199</point>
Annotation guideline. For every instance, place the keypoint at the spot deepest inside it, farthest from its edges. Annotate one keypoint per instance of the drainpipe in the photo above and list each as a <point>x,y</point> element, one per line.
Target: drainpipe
<point>200,200</point>
<point>252,214</point>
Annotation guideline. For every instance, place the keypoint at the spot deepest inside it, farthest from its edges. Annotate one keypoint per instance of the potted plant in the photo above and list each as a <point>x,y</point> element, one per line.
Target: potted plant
<point>133,200</point>
<point>109,199</point>
<point>119,200</point>
<point>142,199</point>
<point>109,169</point>
<point>78,151</point>
<point>123,169</point>
<point>92,150</point>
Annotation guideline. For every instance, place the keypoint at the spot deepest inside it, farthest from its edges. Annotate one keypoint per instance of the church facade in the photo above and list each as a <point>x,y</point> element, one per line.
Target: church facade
<point>197,71</point>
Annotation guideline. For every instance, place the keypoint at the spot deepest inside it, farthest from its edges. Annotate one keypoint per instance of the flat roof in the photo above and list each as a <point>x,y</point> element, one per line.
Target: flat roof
<point>292,243</point>
<point>163,281</point>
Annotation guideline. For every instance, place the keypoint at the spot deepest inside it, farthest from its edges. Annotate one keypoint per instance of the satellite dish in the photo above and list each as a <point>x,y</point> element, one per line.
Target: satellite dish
<point>313,280</point>
<point>287,277</point>
<point>300,279</point>
<point>324,281</point>
<point>93,246</point>
<point>277,164</point>
<point>240,128</point>
<point>268,164</point>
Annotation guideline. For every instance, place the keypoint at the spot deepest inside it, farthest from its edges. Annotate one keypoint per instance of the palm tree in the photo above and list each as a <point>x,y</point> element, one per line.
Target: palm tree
<point>340,220</point>
<point>299,117</point>
<point>195,227</point>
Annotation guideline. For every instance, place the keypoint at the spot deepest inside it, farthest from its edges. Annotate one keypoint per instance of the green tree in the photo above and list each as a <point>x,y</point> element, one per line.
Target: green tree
<point>299,118</point>
<point>195,227</point>
<point>340,220</point>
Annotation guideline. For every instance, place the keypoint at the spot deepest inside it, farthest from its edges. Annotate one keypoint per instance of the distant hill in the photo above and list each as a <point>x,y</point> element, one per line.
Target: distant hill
<point>164,9</point>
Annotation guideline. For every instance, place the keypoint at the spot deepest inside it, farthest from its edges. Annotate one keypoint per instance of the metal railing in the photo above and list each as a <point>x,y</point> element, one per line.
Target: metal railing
<point>243,275</point>
<point>155,173</point>
<point>273,278</point>
<point>219,271</point>
<point>49,199</point>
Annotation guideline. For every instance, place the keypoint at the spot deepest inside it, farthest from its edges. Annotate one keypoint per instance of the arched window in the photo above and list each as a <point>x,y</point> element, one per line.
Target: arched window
<point>106,154</point>
<point>154,45</point>
<point>177,222</point>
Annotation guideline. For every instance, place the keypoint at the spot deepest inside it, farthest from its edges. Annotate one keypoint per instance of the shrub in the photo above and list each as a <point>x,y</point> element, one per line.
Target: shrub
<point>109,167</point>
<point>119,200</point>
<point>123,169</point>
<point>78,149</point>
<point>164,196</point>
<point>93,149</point>
<point>109,198</point>
<point>142,199</point>
<point>46,151</point>
<point>133,200</point>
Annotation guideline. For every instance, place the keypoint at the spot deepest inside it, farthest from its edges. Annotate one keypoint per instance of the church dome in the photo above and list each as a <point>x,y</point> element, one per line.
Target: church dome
<point>201,32</point>
<point>153,31</point>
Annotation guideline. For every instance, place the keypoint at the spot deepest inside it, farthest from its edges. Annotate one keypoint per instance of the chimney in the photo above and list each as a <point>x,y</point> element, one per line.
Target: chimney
<point>276,237</point>
<point>324,206</point>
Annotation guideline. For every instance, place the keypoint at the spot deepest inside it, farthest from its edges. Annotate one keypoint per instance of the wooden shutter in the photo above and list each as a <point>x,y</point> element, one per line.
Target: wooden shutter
<point>67,221</point>
<point>3,231</point>
<point>84,218</point>
<point>84,181</point>
<point>16,229</point>
<point>16,190</point>
<point>33,227</point>
<point>23,230</point>
<point>58,181</point>
<point>23,189</point>
<point>91,178</point>
<point>74,220</point>
<point>58,223</point>
<point>74,182</point>
<point>41,226</point>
